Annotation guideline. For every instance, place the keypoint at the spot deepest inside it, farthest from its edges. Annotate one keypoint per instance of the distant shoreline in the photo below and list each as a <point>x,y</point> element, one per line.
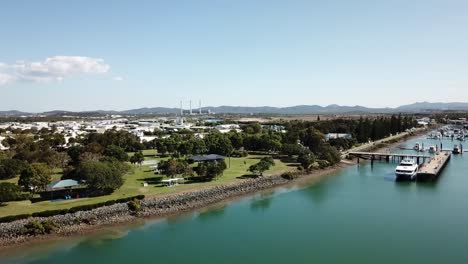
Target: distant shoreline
<point>88,222</point>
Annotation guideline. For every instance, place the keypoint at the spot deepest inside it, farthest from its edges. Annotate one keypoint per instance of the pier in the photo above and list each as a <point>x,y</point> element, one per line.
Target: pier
<point>388,156</point>
<point>427,171</point>
<point>433,168</point>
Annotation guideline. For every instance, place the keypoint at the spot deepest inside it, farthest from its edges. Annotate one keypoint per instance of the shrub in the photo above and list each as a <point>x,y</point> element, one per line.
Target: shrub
<point>34,228</point>
<point>288,176</point>
<point>134,205</point>
<point>140,197</point>
<point>323,164</point>
<point>49,226</point>
<point>12,218</point>
<point>10,192</point>
<point>50,213</point>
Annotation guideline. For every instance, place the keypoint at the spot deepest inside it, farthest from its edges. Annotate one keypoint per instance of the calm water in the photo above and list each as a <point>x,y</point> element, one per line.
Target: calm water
<point>359,215</point>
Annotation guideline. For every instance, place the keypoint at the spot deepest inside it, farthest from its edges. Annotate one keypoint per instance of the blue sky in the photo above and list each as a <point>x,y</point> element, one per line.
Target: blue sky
<point>87,55</point>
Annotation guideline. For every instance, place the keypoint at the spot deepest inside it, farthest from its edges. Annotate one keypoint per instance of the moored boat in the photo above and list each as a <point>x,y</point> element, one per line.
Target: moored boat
<point>456,149</point>
<point>406,170</point>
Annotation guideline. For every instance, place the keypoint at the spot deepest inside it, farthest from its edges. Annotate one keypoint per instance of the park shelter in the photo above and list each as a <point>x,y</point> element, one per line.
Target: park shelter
<point>63,189</point>
<point>211,157</point>
<point>63,184</point>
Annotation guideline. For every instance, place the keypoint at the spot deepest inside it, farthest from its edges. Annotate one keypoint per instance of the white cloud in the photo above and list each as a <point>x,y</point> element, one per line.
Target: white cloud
<point>51,69</point>
<point>118,78</point>
<point>6,78</point>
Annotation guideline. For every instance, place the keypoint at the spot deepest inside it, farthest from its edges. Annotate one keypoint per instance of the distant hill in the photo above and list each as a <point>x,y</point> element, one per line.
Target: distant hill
<point>426,106</point>
<point>420,107</point>
<point>152,110</point>
<point>14,113</point>
<point>299,109</point>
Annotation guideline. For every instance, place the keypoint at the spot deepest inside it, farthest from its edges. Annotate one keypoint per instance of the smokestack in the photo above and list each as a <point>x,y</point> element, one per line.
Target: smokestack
<point>181,109</point>
<point>190,107</point>
<point>199,106</point>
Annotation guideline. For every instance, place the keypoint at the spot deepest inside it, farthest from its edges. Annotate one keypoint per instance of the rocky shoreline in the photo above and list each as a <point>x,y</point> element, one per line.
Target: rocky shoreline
<point>13,233</point>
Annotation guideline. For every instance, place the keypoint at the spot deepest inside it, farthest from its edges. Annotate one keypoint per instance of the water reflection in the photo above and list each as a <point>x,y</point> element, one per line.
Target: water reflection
<point>317,193</point>
<point>262,202</point>
<point>214,212</point>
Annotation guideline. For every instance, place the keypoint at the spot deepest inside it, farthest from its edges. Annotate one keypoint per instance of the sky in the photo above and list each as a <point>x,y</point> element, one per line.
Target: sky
<point>92,55</point>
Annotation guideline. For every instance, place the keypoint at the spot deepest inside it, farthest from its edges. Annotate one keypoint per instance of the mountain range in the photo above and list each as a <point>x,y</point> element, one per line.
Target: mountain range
<point>419,107</point>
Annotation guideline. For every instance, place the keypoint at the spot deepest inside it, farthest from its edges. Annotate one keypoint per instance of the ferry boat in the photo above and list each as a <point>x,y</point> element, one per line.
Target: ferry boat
<point>456,150</point>
<point>406,170</point>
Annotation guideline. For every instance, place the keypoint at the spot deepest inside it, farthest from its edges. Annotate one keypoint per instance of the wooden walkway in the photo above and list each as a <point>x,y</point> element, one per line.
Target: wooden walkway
<point>380,154</point>
<point>387,156</point>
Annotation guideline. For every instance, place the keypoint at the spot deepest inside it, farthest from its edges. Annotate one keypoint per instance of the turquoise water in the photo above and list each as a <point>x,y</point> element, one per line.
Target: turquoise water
<point>359,215</point>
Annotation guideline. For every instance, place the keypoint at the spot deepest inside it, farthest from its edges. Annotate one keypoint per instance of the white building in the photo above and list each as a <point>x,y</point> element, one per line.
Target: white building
<point>1,146</point>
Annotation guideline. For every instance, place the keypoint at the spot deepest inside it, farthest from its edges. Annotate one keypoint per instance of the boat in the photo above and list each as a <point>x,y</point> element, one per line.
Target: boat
<point>436,135</point>
<point>422,148</point>
<point>432,149</point>
<point>417,147</point>
<point>456,149</point>
<point>406,170</point>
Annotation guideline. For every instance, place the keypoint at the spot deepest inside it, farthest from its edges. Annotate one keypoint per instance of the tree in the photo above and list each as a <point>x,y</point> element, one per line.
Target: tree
<point>9,168</point>
<point>199,146</point>
<point>216,168</point>
<point>186,147</point>
<point>74,153</point>
<point>35,177</point>
<point>252,128</point>
<point>137,158</point>
<point>170,167</point>
<point>116,152</point>
<point>306,158</point>
<point>101,177</point>
<point>56,159</point>
<point>263,165</point>
<point>236,139</point>
<point>211,169</point>
<point>268,160</point>
<point>218,143</point>
<point>312,138</point>
<point>9,192</point>
<point>330,154</point>
<point>291,149</point>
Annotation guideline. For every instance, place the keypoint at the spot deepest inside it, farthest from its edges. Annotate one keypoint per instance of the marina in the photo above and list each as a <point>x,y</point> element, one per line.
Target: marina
<point>416,166</point>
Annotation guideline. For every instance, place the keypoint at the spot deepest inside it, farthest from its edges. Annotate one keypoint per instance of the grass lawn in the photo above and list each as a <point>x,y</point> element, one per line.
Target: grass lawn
<point>133,185</point>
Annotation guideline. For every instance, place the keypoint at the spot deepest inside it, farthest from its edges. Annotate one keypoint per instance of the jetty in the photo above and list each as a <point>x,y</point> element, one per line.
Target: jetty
<point>387,156</point>
<point>433,168</point>
<point>427,170</point>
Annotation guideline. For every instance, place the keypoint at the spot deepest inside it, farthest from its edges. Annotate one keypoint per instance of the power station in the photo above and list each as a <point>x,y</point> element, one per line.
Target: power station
<point>192,111</point>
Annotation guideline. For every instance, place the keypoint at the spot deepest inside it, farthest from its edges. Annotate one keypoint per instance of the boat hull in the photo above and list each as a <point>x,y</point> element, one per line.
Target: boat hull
<point>405,177</point>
